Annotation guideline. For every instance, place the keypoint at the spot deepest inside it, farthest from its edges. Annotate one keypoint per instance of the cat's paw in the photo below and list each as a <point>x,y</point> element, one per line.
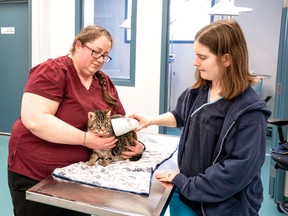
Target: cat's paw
<point>103,163</point>
<point>90,163</point>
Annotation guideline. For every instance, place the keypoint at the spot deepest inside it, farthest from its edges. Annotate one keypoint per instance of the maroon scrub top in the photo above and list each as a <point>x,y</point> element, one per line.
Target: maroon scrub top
<point>56,79</point>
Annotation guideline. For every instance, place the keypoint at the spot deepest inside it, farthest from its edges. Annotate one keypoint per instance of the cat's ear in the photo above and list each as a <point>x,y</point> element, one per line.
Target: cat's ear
<point>90,115</point>
<point>108,113</point>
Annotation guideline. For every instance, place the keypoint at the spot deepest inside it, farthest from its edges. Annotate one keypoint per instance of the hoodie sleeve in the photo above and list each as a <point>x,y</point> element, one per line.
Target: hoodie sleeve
<point>245,154</point>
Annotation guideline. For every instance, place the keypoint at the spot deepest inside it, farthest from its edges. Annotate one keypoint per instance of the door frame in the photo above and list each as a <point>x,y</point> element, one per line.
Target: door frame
<point>164,62</point>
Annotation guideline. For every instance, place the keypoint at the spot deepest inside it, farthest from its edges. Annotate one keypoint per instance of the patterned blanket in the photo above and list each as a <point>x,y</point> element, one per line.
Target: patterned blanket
<point>129,176</point>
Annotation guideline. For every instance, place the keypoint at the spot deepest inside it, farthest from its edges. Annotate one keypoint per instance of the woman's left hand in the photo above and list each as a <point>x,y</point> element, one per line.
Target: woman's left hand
<point>134,150</point>
<point>166,178</point>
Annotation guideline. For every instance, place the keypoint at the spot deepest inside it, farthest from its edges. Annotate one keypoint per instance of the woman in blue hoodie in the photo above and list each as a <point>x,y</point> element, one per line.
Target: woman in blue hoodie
<point>222,146</point>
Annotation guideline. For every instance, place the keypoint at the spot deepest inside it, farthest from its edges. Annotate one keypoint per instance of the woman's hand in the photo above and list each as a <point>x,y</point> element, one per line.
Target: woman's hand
<point>167,119</point>
<point>134,150</point>
<point>99,141</point>
<point>143,120</point>
<point>166,178</point>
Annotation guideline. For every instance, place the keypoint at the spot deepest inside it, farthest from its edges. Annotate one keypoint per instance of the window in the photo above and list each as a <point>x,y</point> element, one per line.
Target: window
<point>110,15</point>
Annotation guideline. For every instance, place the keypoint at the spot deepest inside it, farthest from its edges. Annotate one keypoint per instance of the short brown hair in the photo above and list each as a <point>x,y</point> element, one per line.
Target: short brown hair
<point>90,33</point>
<point>226,37</point>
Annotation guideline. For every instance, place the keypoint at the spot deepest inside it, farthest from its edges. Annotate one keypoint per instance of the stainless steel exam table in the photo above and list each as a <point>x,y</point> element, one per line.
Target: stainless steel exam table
<point>100,201</point>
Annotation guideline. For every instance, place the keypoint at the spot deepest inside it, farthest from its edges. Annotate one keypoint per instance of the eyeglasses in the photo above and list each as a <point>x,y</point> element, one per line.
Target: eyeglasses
<point>98,55</point>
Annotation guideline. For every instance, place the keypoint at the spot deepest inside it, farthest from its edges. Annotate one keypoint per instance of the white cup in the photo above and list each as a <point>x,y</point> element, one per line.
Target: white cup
<point>123,125</point>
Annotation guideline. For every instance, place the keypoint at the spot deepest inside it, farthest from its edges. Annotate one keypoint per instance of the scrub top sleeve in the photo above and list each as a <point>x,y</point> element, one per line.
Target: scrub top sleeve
<point>47,80</point>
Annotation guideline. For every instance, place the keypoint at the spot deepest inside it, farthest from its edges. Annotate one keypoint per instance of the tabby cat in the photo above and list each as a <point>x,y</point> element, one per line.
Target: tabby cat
<point>100,121</point>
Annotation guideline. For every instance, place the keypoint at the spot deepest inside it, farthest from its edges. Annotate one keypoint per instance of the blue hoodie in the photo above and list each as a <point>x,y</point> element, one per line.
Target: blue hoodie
<point>231,185</point>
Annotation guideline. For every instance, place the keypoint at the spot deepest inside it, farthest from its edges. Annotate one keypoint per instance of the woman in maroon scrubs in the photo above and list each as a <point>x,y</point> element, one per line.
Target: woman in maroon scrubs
<point>51,131</point>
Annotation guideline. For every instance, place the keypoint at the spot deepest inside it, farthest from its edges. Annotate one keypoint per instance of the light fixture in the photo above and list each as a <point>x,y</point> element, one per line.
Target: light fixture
<point>227,8</point>
<point>126,24</point>
<point>244,9</point>
<point>224,8</point>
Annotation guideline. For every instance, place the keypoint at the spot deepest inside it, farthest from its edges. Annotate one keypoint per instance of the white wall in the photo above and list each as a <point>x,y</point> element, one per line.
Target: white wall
<point>53,28</point>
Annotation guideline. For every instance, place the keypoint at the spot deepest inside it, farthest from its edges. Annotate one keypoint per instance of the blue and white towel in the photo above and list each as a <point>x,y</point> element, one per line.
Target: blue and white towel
<point>129,176</point>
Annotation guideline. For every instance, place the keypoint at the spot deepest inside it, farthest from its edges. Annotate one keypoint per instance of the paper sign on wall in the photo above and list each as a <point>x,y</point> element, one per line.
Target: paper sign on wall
<point>7,30</point>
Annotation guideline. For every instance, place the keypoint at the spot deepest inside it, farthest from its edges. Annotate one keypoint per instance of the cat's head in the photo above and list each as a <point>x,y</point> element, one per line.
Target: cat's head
<point>99,121</point>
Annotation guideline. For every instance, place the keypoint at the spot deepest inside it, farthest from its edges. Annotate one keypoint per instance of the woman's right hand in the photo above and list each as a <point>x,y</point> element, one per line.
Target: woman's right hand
<point>100,141</point>
<point>167,119</point>
<point>143,120</point>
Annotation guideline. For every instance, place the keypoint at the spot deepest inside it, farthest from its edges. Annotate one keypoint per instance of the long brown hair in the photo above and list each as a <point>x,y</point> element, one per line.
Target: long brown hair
<point>107,96</point>
<point>226,37</point>
<point>88,34</point>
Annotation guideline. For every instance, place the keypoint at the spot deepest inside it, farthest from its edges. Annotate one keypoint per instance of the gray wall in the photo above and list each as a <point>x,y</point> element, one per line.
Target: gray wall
<point>261,28</point>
